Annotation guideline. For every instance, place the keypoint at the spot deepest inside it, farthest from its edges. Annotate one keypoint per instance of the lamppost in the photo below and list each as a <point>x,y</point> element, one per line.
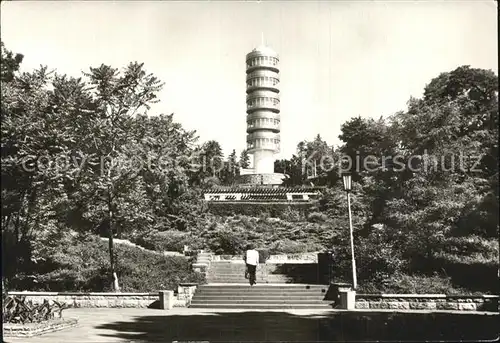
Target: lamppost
<point>347,188</point>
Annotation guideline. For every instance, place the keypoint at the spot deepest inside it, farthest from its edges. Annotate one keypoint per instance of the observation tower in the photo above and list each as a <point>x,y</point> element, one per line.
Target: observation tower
<point>263,108</point>
<point>261,184</point>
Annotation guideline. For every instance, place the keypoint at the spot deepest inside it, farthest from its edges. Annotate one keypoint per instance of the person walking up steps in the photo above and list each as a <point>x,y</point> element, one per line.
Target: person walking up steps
<point>252,261</point>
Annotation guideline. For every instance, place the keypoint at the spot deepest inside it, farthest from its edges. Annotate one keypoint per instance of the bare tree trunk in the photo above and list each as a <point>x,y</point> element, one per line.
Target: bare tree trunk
<point>115,284</point>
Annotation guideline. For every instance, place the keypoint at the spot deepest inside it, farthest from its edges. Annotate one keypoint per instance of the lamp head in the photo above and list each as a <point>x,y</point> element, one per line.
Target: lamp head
<point>347,178</point>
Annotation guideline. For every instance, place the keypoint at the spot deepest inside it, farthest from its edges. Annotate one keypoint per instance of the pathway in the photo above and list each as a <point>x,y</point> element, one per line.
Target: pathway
<point>185,324</point>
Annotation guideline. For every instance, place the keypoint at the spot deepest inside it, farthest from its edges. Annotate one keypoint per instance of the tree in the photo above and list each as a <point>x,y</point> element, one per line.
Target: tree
<point>118,99</point>
<point>314,159</point>
<point>244,159</point>
<point>371,146</point>
<point>10,63</point>
<point>212,161</point>
<point>25,100</point>
<point>293,168</point>
<point>233,163</point>
<point>282,166</point>
<point>446,131</point>
<point>231,169</point>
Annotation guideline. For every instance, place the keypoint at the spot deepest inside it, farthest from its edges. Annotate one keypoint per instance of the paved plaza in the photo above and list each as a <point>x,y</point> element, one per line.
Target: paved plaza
<point>184,324</point>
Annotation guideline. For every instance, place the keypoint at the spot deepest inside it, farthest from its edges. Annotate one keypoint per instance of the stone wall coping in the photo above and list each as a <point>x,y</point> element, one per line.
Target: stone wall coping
<point>29,293</point>
<point>188,284</point>
<point>482,296</point>
<point>437,296</point>
<point>270,261</point>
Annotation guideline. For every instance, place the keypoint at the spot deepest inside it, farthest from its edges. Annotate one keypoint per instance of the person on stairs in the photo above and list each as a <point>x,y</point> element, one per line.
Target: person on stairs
<point>252,261</point>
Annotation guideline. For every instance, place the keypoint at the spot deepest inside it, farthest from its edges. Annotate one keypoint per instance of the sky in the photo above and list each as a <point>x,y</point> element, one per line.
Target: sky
<point>338,59</point>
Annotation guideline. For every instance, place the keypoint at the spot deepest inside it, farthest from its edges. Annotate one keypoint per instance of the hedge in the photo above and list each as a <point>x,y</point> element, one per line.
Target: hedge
<point>257,208</point>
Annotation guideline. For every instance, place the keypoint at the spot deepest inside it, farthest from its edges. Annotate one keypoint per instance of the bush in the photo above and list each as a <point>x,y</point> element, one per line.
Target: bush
<point>144,271</point>
<point>413,284</point>
<point>287,246</point>
<point>292,215</point>
<point>317,217</point>
<point>227,243</point>
<point>377,260</point>
<point>82,264</point>
<point>255,209</point>
<point>247,222</point>
<point>263,255</point>
<point>166,240</point>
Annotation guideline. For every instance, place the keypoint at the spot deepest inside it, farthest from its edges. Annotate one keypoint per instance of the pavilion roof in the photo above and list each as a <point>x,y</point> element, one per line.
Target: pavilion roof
<point>263,190</point>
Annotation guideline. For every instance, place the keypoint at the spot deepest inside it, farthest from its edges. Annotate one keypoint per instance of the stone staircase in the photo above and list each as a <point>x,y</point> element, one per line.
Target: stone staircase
<point>270,296</point>
<point>228,288</point>
<point>202,263</point>
<point>231,272</point>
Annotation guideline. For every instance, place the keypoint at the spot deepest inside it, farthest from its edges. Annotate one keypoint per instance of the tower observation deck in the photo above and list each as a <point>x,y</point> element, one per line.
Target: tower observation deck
<point>263,108</point>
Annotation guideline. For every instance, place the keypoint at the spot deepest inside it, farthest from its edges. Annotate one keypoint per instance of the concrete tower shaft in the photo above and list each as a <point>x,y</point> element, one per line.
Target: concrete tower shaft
<point>263,108</point>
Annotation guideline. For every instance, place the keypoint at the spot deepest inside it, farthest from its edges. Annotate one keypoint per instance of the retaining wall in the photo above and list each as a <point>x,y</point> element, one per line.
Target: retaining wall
<point>109,300</point>
<point>427,302</point>
<point>98,299</point>
<point>185,294</point>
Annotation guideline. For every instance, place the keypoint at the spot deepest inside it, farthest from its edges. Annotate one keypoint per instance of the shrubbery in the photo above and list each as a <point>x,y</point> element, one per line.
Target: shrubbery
<point>140,270</point>
<point>227,243</point>
<point>256,209</point>
<point>166,240</point>
<point>83,265</point>
<point>317,217</point>
<point>264,255</point>
<point>287,246</point>
<point>413,284</point>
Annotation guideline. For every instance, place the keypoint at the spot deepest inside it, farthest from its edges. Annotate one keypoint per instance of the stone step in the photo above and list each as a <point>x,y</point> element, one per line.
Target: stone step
<point>261,296</point>
<point>242,276</point>
<point>291,295</point>
<point>245,286</point>
<point>242,280</point>
<point>264,306</point>
<point>259,290</point>
<point>259,301</point>
<point>259,293</point>
<point>264,296</point>
<point>242,273</point>
<point>231,265</point>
